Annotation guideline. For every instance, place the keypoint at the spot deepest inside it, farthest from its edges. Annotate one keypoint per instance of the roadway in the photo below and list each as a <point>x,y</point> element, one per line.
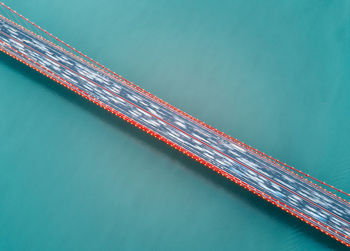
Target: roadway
<point>272,182</point>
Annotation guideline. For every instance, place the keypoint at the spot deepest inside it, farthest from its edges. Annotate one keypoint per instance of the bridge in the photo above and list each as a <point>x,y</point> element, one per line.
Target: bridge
<point>280,184</point>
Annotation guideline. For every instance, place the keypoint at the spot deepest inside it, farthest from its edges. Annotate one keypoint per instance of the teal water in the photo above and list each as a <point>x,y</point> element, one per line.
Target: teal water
<point>272,73</point>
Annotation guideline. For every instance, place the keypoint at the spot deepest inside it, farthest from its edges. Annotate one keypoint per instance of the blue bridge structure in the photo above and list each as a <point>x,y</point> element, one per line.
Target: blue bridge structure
<point>268,178</point>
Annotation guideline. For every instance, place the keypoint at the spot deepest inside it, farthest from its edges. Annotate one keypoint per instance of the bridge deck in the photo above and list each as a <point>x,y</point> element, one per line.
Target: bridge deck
<point>271,181</point>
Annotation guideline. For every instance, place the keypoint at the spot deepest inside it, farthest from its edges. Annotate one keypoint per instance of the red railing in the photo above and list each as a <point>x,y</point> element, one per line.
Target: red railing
<point>28,26</point>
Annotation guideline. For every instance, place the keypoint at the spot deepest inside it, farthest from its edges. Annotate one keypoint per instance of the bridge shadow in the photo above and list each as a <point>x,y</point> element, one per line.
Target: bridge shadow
<point>188,163</point>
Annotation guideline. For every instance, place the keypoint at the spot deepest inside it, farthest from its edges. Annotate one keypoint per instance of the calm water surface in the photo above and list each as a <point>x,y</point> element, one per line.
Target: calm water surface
<point>274,74</point>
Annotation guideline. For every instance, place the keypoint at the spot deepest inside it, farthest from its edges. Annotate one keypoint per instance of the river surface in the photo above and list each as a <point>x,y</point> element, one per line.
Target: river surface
<point>274,74</point>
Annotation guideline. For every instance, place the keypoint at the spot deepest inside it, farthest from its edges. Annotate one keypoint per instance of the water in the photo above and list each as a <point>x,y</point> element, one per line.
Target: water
<point>73,177</point>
